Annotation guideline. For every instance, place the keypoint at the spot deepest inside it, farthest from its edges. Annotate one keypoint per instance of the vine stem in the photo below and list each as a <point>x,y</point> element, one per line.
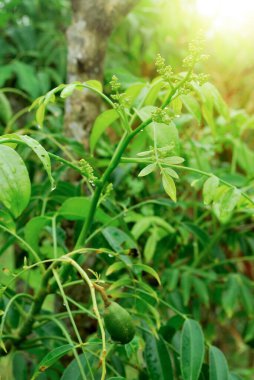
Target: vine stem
<point>96,312</point>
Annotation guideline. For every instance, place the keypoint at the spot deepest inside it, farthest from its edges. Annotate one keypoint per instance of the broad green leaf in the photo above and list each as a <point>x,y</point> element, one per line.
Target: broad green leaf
<point>147,170</point>
<point>192,105</point>
<point>157,358</point>
<point>94,84</point>
<point>33,230</point>
<point>209,189</point>
<point>102,122</point>
<point>192,350</point>
<point>218,367</point>
<point>51,358</point>
<point>38,149</point>
<point>133,91</point>
<point>14,180</point>
<point>146,268</point>
<point>166,136</point>
<point>77,208</point>
<point>169,186</point>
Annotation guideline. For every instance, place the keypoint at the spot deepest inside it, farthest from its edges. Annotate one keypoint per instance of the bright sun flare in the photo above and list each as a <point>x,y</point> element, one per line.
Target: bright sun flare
<point>232,14</point>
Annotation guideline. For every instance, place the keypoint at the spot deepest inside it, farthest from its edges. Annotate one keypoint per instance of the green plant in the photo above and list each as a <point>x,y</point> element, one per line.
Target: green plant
<point>159,256</point>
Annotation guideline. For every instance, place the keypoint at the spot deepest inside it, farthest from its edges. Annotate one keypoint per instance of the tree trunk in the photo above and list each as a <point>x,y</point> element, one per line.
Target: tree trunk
<point>93,22</point>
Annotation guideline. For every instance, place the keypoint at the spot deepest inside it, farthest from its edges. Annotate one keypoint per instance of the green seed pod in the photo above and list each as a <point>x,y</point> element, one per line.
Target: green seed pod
<point>119,323</point>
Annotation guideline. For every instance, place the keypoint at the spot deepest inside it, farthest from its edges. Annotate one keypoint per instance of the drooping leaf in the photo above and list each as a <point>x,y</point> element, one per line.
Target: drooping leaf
<point>38,149</point>
<point>14,180</point>
<point>146,268</point>
<point>191,350</point>
<point>169,186</point>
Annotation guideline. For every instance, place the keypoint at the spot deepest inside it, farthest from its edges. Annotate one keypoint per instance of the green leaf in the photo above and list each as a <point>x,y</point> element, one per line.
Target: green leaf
<point>68,90</point>
<point>218,367</point>
<point>230,295</point>
<point>150,245</point>
<point>102,122</point>
<point>6,220</point>
<point>224,206</point>
<point>174,160</point>
<point>192,105</point>
<point>14,180</point>
<point>94,84</point>
<point>146,268</point>
<point>115,267</point>
<point>51,358</point>
<point>157,358</point>
<point>147,170</point>
<point>117,239</point>
<point>171,173</point>
<point>5,109</point>
<point>33,230</point>
<point>219,102</point>
<point>38,149</point>
<point>246,296</point>
<point>192,350</point>
<point>176,104</point>
<point>40,113</point>
<point>186,284</point>
<point>201,290</point>
<point>169,186</point>
<point>77,208</point>
<point>209,189</point>
<point>26,78</point>
<point>166,135</point>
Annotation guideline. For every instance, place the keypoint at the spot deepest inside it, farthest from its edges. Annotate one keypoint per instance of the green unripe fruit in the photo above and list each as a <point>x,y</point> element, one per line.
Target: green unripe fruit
<point>119,323</point>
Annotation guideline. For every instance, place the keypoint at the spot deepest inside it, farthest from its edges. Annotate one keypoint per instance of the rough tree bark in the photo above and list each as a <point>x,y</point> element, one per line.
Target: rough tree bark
<point>93,22</point>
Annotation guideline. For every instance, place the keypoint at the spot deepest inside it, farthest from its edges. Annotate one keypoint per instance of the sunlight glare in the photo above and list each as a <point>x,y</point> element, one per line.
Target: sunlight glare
<point>227,14</point>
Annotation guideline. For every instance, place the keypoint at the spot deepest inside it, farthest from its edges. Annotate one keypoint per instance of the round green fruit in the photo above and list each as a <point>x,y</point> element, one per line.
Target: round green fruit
<point>119,323</point>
